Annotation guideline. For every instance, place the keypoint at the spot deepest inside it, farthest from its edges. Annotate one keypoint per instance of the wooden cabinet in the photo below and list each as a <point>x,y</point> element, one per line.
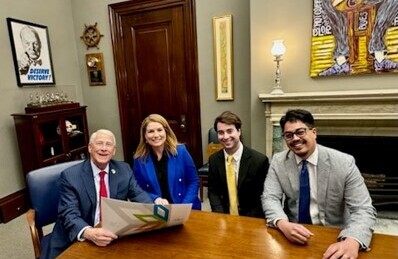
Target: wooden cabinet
<point>48,137</point>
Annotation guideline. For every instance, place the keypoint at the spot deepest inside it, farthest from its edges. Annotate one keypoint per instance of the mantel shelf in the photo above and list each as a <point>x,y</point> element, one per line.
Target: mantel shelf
<point>362,112</point>
<point>380,94</point>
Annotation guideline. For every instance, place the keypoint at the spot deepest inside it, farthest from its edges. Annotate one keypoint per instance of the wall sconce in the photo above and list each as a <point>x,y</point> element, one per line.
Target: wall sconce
<point>277,50</point>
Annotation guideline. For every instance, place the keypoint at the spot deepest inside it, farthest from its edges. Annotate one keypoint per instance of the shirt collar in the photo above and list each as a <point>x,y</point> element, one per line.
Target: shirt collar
<point>237,155</point>
<point>96,170</point>
<point>312,159</point>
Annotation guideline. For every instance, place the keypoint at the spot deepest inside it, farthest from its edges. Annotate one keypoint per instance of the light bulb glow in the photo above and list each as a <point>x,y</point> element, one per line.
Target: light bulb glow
<point>278,48</point>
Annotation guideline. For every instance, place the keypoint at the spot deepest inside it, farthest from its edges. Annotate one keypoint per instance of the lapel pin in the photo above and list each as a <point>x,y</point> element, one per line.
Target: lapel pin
<point>113,171</point>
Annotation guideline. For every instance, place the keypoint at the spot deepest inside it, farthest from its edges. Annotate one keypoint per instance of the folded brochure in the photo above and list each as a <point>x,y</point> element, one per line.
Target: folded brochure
<point>126,218</point>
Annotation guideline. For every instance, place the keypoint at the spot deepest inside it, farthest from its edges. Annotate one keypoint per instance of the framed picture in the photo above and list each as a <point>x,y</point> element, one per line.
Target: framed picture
<point>95,69</point>
<point>223,57</point>
<point>31,52</point>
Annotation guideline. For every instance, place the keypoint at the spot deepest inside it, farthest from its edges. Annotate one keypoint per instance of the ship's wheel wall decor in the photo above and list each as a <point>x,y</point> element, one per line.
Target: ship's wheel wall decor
<point>91,36</point>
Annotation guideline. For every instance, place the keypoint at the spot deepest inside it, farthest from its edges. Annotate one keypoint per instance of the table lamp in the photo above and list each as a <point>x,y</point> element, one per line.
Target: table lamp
<point>277,50</point>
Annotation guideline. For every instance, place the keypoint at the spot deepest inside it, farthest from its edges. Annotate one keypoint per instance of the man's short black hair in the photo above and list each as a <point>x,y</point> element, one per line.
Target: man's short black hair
<point>297,115</point>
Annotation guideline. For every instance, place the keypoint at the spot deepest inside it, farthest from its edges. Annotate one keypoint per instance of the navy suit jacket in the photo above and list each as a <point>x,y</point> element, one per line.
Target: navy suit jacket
<point>78,200</point>
<point>252,171</point>
<point>182,176</point>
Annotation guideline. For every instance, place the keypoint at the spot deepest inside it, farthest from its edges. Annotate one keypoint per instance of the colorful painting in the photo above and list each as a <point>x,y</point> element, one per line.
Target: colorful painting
<point>354,37</point>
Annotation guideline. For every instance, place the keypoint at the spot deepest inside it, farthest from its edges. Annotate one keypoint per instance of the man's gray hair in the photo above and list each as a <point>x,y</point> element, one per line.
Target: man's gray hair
<point>105,132</point>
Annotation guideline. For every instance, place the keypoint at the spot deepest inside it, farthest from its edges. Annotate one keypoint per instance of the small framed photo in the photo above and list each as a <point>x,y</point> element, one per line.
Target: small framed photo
<point>223,57</point>
<point>95,69</point>
<point>31,52</point>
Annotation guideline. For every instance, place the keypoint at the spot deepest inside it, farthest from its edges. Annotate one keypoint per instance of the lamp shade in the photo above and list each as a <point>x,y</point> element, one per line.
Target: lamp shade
<point>278,48</point>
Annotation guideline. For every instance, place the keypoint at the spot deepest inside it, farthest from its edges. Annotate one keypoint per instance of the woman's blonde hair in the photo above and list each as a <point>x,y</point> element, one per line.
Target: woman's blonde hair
<point>170,145</point>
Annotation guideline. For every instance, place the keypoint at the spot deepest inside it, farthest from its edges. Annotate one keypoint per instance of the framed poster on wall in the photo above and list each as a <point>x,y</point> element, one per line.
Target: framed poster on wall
<point>31,52</point>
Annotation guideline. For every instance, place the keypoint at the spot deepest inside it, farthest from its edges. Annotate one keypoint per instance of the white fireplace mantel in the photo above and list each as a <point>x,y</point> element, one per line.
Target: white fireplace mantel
<point>362,112</point>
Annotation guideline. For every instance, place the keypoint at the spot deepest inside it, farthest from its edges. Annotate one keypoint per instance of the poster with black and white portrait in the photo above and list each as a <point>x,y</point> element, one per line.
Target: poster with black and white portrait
<point>31,53</point>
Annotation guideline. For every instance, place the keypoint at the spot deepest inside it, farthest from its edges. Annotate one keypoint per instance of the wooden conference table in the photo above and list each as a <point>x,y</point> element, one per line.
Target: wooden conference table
<point>215,235</point>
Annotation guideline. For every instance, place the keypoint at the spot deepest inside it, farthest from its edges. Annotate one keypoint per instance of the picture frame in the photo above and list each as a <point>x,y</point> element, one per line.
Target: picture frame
<point>95,69</point>
<point>223,57</point>
<point>31,53</point>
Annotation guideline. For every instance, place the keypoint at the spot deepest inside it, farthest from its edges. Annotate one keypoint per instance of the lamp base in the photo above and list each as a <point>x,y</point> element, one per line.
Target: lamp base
<point>277,91</point>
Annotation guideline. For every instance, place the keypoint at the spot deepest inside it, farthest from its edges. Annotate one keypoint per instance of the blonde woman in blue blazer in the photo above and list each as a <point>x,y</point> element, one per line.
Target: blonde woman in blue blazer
<point>163,167</point>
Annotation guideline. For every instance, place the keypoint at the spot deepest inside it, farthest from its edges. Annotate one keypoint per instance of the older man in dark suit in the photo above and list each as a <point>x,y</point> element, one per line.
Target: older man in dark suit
<point>248,169</point>
<point>80,187</point>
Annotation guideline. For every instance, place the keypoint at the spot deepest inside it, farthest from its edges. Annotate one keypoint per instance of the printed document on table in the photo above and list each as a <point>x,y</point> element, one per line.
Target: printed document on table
<point>125,217</point>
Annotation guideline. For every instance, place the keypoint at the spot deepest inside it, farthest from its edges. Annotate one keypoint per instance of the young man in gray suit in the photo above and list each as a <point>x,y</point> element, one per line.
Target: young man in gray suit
<point>336,192</point>
<point>78,209</point>
<point>249,168</point>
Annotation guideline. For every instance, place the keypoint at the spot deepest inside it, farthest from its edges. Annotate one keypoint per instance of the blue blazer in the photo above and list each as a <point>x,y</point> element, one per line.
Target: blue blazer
<point>78,200</point>
<point>183,178</point>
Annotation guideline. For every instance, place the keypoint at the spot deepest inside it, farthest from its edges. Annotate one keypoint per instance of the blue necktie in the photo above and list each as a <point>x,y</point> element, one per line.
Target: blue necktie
<point>304,202</point>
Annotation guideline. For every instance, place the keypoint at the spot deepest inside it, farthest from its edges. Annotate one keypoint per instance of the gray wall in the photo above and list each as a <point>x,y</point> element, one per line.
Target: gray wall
<point>65,20</point>
<point>57,15</point>
<point>291,21</point>
<point>255,24</point>
<point>103,109</point>
<point>210,108</point>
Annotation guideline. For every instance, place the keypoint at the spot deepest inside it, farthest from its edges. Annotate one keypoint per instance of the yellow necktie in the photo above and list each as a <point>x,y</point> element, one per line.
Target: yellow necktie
<point>232,192</point>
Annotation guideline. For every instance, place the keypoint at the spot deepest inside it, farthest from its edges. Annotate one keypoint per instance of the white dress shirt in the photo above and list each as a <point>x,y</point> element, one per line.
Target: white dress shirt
<point>312,162</point>
<point>236,157</point>
<point>96,176</point>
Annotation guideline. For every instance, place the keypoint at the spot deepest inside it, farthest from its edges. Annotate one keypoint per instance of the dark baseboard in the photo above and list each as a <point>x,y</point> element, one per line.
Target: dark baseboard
<point>13,205</point>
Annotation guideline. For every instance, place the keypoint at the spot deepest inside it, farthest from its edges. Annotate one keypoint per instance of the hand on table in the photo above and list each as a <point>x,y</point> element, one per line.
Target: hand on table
<point>294,232</point>
<point>346,249</point>
<point>99,236</point>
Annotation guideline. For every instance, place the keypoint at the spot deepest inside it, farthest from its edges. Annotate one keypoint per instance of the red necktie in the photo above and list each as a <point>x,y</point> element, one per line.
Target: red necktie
<point>103,192</point>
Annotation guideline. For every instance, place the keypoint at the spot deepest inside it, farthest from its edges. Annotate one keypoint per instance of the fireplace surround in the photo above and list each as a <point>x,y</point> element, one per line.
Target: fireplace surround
<point>364,121</point>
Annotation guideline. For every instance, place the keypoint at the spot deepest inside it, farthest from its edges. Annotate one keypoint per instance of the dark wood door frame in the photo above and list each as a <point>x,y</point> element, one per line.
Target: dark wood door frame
<point>130,133</point>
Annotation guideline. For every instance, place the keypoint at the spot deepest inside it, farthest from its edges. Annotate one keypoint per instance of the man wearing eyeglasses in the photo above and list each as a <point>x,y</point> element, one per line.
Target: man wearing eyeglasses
<point>320,186</point>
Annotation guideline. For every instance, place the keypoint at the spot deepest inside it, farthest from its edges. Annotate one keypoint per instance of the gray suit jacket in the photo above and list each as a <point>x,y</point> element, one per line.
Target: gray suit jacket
<point>343,199</point>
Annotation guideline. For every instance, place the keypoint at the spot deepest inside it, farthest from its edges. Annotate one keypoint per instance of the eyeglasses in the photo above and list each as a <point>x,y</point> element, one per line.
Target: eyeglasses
<point>300,132</point>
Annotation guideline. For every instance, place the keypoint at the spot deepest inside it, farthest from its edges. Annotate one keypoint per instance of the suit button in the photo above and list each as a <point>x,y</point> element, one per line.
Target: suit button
<point>147,186</point>
<point>179,179</point>
<point>179,194</point>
